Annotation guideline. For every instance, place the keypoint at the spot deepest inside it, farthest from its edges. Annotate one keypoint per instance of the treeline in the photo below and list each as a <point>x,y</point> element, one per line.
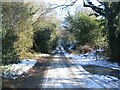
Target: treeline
<point>97,32</point>
<point>26,30</point>
<point>111,13</point>
<point>86,30</point>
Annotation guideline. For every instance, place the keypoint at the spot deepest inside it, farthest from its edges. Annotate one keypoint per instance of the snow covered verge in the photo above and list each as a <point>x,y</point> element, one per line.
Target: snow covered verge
<point>12,71</point>
<point>107,80</point>
<point>91,60</point>
<point>113,81</point>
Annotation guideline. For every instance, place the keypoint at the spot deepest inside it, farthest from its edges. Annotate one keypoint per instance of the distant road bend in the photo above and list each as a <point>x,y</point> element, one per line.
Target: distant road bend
<point>64,74</point>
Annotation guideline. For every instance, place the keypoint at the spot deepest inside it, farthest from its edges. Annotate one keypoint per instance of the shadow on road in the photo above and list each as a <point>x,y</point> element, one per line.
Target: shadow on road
<point>32,79</point>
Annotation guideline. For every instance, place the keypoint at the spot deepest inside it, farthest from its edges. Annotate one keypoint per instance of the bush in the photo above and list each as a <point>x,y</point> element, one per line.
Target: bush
<point>41,38</point>
<point>16,31</point>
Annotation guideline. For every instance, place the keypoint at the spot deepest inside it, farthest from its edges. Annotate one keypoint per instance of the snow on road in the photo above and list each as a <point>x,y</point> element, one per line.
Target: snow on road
<point>61,74</point>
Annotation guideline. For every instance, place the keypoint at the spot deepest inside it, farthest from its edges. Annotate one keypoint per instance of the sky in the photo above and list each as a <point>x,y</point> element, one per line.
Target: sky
<point>61,13</point>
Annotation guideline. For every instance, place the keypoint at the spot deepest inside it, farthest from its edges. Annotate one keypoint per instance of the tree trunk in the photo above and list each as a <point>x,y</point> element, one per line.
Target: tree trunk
<point>114,41</point>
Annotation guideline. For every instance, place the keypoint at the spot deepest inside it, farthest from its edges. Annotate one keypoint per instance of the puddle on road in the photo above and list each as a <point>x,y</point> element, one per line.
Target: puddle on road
<point>102,70</point>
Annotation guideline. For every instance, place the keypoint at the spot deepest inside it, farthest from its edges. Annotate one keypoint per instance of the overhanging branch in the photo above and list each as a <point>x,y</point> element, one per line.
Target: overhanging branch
<point>64,5</point>
<point>57,6</point>
<point>98,10</point>
<point>35,11</point>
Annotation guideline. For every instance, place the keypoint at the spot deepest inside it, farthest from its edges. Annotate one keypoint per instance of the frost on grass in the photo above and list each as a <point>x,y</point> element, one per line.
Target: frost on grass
<point>12,71</point>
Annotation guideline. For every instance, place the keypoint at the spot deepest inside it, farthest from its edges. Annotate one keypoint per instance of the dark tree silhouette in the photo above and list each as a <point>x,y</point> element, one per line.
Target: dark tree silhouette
<point>111,12</point>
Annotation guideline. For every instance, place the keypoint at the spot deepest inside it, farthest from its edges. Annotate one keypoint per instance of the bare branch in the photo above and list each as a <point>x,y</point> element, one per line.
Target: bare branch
<point>35,11</point>
<point>99,10</point>
<point>64,5</point>
<point>102,3</point>
<point>57,6</point>
<point>94,14</point>
<point>41,15</point>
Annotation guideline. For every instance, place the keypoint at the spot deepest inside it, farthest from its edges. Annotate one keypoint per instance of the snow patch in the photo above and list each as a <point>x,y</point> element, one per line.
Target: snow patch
<point>43,55</point>
<point>107,81</point>
<point>90,59</point>
<point>12,71</point>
